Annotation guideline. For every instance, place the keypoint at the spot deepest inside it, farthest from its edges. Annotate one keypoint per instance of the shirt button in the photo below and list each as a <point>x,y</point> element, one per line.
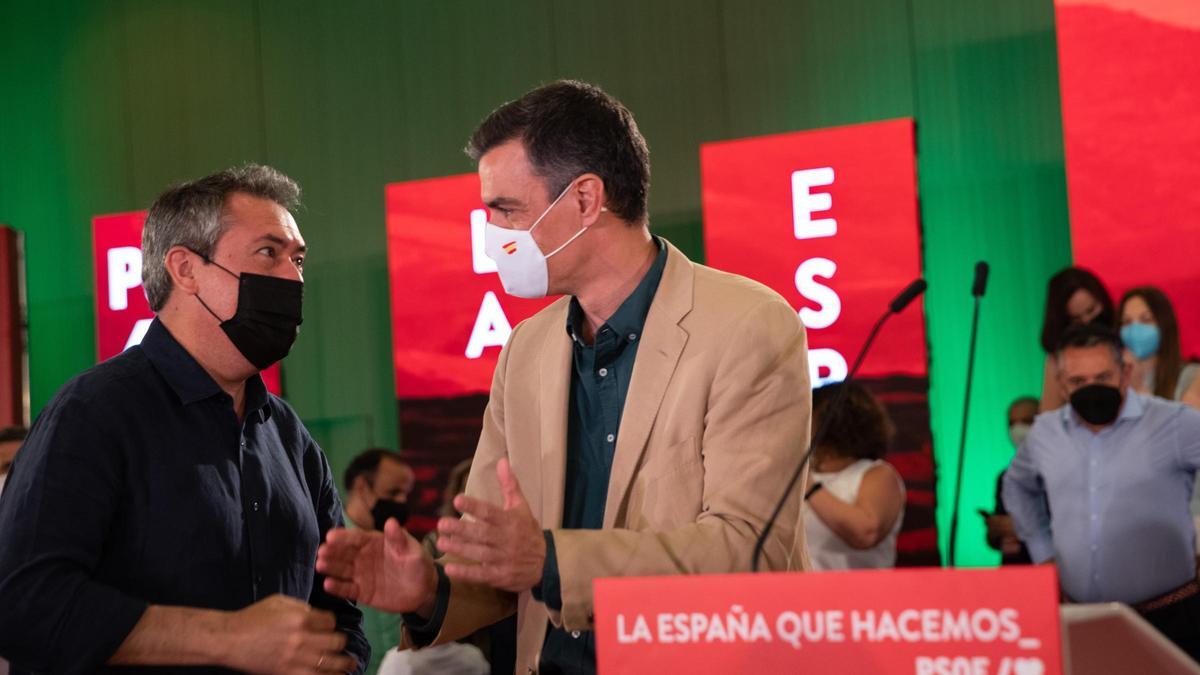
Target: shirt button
<point>611,438</point>
<point>575,634</point>
<point>632,336</point>
<point>254,505</point>
<point>604,372</point>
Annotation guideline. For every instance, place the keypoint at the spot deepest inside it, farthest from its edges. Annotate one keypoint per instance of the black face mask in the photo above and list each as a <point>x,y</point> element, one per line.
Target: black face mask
<point>1097,403</point>
<point>268,317</point>
<point>385,509</point>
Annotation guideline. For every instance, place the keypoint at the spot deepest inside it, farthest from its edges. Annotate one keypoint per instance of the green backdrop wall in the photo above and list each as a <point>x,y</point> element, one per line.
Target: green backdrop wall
<point>102,104</point>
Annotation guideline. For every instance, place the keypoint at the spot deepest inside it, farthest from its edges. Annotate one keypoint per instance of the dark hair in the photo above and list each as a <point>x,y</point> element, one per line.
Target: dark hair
<point>1024,400</point>
<point>860,428</point>
<point>17,433</point>
<point>570,128</point>
<point>189,214</point>
<point>366,464</point>
<point>1170,355</point>
<point>1062,286</point>
<point>1081,336</point>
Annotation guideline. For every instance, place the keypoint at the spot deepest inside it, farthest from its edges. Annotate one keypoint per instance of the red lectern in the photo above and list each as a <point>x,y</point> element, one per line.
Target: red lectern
<point>923,621</point>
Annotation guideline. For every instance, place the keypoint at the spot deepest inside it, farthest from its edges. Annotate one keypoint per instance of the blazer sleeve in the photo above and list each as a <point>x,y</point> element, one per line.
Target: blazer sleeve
<point>473,606</point>
<point>756,428</point>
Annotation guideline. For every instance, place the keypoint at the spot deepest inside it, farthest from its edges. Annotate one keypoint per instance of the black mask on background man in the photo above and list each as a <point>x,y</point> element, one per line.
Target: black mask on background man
<point>1097,403</point>
<point>385,509</point>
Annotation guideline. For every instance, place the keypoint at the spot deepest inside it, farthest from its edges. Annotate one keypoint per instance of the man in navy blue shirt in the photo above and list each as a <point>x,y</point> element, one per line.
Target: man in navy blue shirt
<point>166,509</point>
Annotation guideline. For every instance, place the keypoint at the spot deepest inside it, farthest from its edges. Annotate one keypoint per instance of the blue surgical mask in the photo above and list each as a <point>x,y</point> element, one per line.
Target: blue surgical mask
<point>1141,338</point>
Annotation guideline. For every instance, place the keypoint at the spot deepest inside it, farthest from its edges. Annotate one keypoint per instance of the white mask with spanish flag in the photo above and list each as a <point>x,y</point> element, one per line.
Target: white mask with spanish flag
<point>522,267</point>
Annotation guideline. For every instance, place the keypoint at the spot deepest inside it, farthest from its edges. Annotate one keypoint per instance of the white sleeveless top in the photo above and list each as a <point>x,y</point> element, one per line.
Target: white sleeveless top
<point>825,548</point>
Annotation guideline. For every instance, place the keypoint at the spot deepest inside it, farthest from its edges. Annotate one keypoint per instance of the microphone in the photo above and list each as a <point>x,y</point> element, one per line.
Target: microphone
<point>902,300</point>
<point>977,290</point>
<point>981,276</point>
<point>907,295</point>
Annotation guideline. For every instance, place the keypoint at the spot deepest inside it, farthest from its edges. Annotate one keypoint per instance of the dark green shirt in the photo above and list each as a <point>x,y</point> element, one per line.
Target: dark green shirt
<point>600,376</point>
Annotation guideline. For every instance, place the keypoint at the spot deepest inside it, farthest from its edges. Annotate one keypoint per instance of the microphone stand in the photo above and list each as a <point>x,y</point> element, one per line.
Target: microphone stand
<point>977,290</point>
<point>906,296</point>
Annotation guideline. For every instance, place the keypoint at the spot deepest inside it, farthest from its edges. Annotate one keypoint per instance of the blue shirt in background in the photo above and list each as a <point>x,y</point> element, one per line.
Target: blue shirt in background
<point>1118,524</point>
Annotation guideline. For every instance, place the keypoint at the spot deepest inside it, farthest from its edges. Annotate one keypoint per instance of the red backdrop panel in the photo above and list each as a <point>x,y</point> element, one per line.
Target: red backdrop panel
<point>768,206</point>
<point>450,315</point>
<point>1130,82</point>
<point>13,398</point>
<point>828,218</point>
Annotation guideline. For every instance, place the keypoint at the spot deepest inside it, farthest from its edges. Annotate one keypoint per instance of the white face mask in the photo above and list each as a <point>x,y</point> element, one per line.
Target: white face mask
<point>1018,432</point>
<point>522,267</point>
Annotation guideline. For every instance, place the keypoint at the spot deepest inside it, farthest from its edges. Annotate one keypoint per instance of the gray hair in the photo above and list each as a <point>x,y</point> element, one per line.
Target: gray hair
<point>189,214</point>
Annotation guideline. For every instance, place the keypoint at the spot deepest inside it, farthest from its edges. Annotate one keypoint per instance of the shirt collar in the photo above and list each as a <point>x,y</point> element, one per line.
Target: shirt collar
<point>188,378</point>
<point>629,319</point>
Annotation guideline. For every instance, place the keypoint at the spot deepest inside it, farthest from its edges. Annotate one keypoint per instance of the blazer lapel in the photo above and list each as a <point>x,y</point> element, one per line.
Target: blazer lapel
<point>554,389</point>
<point>663,340</point>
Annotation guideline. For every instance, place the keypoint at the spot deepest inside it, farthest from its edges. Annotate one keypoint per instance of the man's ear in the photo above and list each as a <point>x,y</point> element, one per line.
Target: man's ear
<point>360,485</point>
<point>181,265</point>
<point>1061,380</point>
<point>592,196</point>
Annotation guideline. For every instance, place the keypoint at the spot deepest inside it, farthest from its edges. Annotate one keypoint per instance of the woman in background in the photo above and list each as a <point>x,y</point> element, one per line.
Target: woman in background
<point>1073,296</point>
<point>854,503</point>
<point>1150,333</point>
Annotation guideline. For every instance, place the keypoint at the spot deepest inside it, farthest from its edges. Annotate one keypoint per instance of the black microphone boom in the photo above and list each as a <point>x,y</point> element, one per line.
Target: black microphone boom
<point>901,301</point>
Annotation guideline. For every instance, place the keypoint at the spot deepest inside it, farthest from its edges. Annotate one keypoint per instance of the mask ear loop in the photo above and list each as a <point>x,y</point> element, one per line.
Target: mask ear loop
<point>567,243</point>
<point>552,205</point>
<point>210,261</point>
<point>603,209</point>
<point>205,306</point>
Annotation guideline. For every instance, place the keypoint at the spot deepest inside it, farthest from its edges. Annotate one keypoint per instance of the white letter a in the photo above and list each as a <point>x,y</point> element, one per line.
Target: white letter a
<point>491,327</point>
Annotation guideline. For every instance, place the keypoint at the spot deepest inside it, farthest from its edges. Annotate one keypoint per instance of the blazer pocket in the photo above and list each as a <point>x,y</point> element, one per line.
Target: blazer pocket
<point>673,496</point>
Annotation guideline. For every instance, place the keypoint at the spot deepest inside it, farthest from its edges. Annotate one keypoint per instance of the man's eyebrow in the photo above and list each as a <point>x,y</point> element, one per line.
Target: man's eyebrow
<point>283,243</point>
<point>499,202</point>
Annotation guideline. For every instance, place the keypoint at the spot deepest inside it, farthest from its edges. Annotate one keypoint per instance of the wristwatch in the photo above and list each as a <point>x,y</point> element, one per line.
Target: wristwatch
<point>812,490</point>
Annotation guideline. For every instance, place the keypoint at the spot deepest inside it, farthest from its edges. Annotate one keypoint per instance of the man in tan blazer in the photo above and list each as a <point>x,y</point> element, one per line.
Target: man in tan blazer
<point>643,424</point>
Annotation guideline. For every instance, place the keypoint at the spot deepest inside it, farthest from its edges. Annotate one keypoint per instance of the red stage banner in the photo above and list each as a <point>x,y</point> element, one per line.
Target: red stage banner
<point>828,218</point>
<point>122,311</point>
<point>1130,81</point>
<point>926,621</point>
<point>450,315</point>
